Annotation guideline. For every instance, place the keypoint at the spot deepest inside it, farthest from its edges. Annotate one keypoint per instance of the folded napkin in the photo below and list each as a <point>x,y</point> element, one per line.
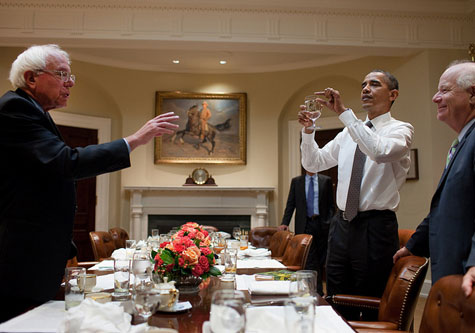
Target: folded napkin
<point>105,265</point>
<point>123,253</point>
<point>255,252</point>
<point>269,287</point>
<point>256,263</point>
<point>92,317</point>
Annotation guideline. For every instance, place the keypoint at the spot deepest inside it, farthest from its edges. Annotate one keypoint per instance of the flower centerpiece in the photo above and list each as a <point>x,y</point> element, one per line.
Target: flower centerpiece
<point>187,259</point>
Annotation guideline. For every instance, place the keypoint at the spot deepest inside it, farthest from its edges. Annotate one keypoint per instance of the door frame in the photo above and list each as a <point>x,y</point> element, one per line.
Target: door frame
<point>103,127</point>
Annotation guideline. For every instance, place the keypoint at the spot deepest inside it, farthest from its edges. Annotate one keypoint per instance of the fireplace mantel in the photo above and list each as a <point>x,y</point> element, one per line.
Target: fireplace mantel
<point>196,200</point>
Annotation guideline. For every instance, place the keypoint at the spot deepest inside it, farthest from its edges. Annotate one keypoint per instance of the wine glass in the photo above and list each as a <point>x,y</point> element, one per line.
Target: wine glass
<point>237,233</point>
<point>314,109</point>
<point>227,313</point>
<point>300,314</point>
<point>303,284</point>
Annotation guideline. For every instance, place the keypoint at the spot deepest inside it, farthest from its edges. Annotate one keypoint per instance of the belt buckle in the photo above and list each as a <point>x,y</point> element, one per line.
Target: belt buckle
<point>343,215</point>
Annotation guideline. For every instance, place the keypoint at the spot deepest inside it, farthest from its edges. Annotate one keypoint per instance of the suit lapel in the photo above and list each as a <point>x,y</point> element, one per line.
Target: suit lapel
<point>454,157</point>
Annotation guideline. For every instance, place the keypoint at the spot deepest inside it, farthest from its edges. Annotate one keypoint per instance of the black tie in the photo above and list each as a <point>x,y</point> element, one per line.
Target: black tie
<point>353,198</point>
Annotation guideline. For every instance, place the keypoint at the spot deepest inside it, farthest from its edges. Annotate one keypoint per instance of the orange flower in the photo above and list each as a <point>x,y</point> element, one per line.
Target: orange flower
<point>190,255</point>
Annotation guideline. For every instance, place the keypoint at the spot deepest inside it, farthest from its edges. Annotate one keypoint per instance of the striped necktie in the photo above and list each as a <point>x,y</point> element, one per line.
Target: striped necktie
<point>452,150</point>
<point>353,197</point>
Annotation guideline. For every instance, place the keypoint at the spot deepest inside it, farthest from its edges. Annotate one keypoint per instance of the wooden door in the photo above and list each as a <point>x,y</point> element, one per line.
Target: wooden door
<point>85,220</point>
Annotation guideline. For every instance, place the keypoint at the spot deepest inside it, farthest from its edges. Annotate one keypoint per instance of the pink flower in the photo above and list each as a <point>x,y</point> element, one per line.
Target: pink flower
<point>204,263</point>
<point>162,245</point>
<point>181,261</point>
<point>170,267</point>
<point>205,251</point>
<point>197,270</point>
<point>190,255</point>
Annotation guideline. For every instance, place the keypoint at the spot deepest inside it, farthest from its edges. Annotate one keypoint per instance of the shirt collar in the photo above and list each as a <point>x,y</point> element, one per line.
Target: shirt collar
<point>380,120</point>
<point>465,129</point>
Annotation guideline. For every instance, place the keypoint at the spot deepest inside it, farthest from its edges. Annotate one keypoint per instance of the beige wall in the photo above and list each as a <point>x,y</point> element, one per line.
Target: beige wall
<point>128,98</point>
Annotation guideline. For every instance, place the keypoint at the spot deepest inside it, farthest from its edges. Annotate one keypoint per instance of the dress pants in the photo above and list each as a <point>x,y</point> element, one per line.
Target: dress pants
<point>318,249</point>
<point>360,253</point>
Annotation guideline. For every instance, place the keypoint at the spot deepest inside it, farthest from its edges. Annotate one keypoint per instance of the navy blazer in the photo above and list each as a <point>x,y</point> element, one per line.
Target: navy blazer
<point>447,234</point>
<point>297,200</point>
<point>37,196</point>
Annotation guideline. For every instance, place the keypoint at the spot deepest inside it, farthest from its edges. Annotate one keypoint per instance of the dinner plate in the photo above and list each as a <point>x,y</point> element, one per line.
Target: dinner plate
<point>178,307</point>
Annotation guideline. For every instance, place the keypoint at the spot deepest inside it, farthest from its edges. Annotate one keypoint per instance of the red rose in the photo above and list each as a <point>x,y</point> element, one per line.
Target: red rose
<point>162,245</point>
<point>205,251</point>
<point>181,262</point>
<point>197,270</point>
<point>179,248</point>
<point>159,261</point>
<point>170,267</point>
<point>202,260</point>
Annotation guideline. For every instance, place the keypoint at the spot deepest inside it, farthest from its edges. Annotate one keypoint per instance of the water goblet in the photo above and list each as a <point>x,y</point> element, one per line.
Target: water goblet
<point>155,234</point>
<point>121,279</point>
<point>300,314</point>
<point>237,233</point>
<point>314,109</point>
<point>303,284</point>
<point>227,313</point>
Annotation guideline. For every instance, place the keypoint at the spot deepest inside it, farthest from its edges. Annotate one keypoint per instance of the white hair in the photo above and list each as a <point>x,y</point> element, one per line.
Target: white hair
<point>467,78</point>
<point>33,59</point>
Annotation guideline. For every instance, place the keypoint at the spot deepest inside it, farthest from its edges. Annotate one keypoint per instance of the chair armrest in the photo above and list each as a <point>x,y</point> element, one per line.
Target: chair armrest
<point>293,268</point>
<point>355,301</point>
<point>373,325</point>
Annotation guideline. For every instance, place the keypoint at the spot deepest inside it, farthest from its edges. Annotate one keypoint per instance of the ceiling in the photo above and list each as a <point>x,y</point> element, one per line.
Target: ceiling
<point>252,36</point>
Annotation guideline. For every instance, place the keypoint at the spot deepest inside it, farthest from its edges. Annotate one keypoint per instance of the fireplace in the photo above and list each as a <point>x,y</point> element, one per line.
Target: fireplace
<point>191,203</point>
<point>224,223</point>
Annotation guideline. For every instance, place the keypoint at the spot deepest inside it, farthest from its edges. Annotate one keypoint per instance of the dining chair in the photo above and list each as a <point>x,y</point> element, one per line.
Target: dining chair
<point>446,309</point>
<point>296,253</point>
<point>278,243</point>
<point>397,305</point>
<point>73,262</point>
<point>404,236</point>
<point>102,244</point>
<point>260,236</point>
<point>210,228</point>
<point>119,236</point>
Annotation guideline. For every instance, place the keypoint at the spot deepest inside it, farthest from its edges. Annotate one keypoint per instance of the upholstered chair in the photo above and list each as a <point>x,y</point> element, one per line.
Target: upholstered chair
<point>278,243</point>
<point>73,262</point>
<point>210,228</point>
<point>446,310</point>
<point>119,236</point>
<point>404,236</point>
<point>296,253</point>
<point>102,244</point>
<point>260,236</point>
<point>397,305</point>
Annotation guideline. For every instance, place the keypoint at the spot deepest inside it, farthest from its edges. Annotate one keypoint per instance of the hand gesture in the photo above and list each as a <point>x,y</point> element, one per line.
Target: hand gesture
<point>333,100</point>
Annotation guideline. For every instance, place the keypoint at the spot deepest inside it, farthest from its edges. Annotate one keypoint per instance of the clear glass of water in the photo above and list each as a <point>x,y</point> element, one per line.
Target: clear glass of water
<point>74,283</point>
<point>229,257</point>
<point>121,279</point>
<point>227,313</point>
<point>314,109</point>
<point>303,284</point>
<point>237,233</point>
<point>300,314</point>
<point>155,234</point>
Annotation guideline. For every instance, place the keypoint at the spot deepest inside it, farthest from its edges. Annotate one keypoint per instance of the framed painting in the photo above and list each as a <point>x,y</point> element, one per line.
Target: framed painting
<point>212,128</point>
<point>413,173</point>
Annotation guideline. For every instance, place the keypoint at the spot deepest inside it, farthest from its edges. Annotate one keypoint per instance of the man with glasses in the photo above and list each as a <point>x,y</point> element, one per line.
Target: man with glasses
<point>38,174</point>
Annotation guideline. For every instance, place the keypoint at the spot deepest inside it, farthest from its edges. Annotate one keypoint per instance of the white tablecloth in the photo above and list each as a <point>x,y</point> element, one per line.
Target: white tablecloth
<point>260,263</point>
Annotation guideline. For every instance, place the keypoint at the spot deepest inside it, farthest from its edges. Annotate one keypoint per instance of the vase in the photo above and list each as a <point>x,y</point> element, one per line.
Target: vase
<point>189,284</point>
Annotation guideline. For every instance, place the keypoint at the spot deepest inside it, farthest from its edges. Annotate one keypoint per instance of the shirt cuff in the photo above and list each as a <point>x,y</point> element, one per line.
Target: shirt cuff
<point>307,137</point>
<point>347,117</point>
<point>127,144</point>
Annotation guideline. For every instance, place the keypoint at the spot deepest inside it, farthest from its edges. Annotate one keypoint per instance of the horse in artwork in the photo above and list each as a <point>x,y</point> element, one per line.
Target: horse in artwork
<point>193,129</point>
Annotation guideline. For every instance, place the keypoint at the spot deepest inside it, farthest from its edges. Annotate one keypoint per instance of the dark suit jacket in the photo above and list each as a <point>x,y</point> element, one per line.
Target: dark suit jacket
<point>297,200</point>
<point>37,196</point>
<point>447,234</point>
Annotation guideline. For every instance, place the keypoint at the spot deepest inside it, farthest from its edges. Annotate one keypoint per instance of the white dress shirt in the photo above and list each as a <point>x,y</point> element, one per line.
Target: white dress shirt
<point>387,146</point>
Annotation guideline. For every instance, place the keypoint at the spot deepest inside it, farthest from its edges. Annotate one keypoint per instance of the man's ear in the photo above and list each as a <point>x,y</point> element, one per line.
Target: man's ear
<point>30,78</point>
<point>393,94</point>
<point>471,99</point>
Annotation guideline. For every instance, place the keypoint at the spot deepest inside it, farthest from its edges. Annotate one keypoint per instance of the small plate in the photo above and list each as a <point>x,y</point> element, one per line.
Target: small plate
<point>179,307</point>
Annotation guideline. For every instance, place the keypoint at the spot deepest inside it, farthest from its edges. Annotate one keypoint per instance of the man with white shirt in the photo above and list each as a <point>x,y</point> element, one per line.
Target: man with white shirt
<point>364,233</point>
<point>447,234</point>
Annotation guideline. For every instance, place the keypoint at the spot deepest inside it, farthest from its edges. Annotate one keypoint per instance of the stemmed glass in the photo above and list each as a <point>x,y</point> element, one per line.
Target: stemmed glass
<point>145,298</point>
<point>227,313</point>
<point>237,233</point>
<point>314,109</point>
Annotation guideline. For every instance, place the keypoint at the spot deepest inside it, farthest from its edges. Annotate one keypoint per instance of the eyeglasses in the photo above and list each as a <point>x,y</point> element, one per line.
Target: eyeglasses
<point>64,76</point>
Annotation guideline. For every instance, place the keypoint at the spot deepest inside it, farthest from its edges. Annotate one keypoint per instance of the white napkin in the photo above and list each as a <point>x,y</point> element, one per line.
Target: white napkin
<point>105,265</point>
<point>256,263</point>
<point>255,252</point>
<point>92,317</point>
<point>269,287</point>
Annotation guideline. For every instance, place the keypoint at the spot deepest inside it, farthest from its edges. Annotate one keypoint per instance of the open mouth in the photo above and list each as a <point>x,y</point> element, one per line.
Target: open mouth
<point>366,98</point>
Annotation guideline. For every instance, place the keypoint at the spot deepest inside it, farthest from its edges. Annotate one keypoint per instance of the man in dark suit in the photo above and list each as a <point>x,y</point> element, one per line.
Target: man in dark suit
<point>313,219</point>
<point>37,177</point>
<point>447,234</point>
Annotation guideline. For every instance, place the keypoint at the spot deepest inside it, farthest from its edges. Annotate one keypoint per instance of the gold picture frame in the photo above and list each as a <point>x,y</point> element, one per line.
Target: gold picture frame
<point>413,173</point>
<point>222,142</point>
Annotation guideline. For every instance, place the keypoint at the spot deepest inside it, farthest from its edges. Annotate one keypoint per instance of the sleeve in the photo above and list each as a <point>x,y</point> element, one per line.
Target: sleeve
<point>314,158</point>
<point>418,244</point>
<point>27,135</point>
<point>380,148</point>
<point>290,207</point>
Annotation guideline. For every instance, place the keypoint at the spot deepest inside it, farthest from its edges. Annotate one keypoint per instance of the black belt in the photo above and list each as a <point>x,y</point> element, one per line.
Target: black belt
<point>366,213</point>
<point>313,217</point>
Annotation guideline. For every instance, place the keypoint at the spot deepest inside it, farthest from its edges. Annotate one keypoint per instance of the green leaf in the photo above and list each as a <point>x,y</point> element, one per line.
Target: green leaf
<point>214,271</point>
<point>167,257</point>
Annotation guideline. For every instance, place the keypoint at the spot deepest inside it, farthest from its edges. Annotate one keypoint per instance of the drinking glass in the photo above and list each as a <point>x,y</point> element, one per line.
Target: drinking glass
<point>74,281</point>
<point>121,278</point>
<point>237,233</point>
<point>89,281</point>
<point>244,242</point>
<point>130,245</point>
<point>227,313</point>
<point>314,109</point>
<point>303,283</point>
<point>145,297</point>
<point>300,314</point>
<point>230,264</point>
<point>155,233</point>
